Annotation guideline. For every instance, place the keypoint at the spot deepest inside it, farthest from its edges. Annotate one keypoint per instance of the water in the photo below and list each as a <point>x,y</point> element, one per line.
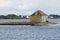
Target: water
<point>54,20</point>
<point>14,20</point>
<point>25,20</point>
<point>19,32</point>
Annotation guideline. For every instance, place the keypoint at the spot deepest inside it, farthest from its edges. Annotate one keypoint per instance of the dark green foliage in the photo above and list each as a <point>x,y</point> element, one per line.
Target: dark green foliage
<point>11,16</point>
<point>55,16</point>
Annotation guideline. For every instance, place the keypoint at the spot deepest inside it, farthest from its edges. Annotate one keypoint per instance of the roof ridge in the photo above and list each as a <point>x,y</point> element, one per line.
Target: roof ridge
<point>39,12</point>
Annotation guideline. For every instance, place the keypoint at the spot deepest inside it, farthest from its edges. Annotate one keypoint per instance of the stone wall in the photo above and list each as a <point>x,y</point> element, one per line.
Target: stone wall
<point>38,18</point>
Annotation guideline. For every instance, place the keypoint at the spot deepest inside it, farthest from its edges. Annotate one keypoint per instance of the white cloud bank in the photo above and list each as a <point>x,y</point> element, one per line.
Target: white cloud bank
<point>5,3</point>
<point>31,5</point>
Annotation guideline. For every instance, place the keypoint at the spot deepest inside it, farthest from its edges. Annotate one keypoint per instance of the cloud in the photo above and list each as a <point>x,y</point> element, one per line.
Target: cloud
<point>50,4</point>
<point>29,6</point>
<point>38,4</point>
<point>5,3</point>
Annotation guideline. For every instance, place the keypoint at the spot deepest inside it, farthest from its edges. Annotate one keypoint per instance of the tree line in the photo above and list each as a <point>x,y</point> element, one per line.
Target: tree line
<point>54,16</point>
<point>12,16</point>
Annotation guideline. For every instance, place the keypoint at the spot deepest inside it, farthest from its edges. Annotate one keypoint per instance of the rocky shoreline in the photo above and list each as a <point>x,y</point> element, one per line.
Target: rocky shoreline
<point>45,24</point>
<point>29,23</point>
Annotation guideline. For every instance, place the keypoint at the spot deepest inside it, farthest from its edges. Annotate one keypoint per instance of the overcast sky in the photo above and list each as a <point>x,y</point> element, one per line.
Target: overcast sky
<point>27,7</point>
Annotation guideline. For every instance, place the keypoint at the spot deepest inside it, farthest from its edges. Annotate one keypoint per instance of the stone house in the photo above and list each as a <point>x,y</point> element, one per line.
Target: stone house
<point>38,16</point>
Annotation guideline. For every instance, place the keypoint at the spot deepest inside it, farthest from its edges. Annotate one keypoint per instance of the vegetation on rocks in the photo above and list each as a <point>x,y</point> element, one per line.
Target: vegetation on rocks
<point>28,23</point>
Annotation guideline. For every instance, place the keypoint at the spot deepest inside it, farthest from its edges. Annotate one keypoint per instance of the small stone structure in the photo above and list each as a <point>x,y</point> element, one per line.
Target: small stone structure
<point>38,16</point>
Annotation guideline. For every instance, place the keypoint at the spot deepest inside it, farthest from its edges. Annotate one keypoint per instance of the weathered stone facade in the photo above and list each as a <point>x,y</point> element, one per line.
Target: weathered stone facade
<point>38,16</point>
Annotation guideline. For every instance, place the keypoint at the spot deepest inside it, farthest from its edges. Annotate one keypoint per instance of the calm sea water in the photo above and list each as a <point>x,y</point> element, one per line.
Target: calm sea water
<point>19,32</point>
<point>14,20</point>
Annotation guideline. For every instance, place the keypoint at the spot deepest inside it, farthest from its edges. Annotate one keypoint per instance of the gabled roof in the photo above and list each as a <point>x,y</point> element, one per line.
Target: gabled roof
<point>39,13</point>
